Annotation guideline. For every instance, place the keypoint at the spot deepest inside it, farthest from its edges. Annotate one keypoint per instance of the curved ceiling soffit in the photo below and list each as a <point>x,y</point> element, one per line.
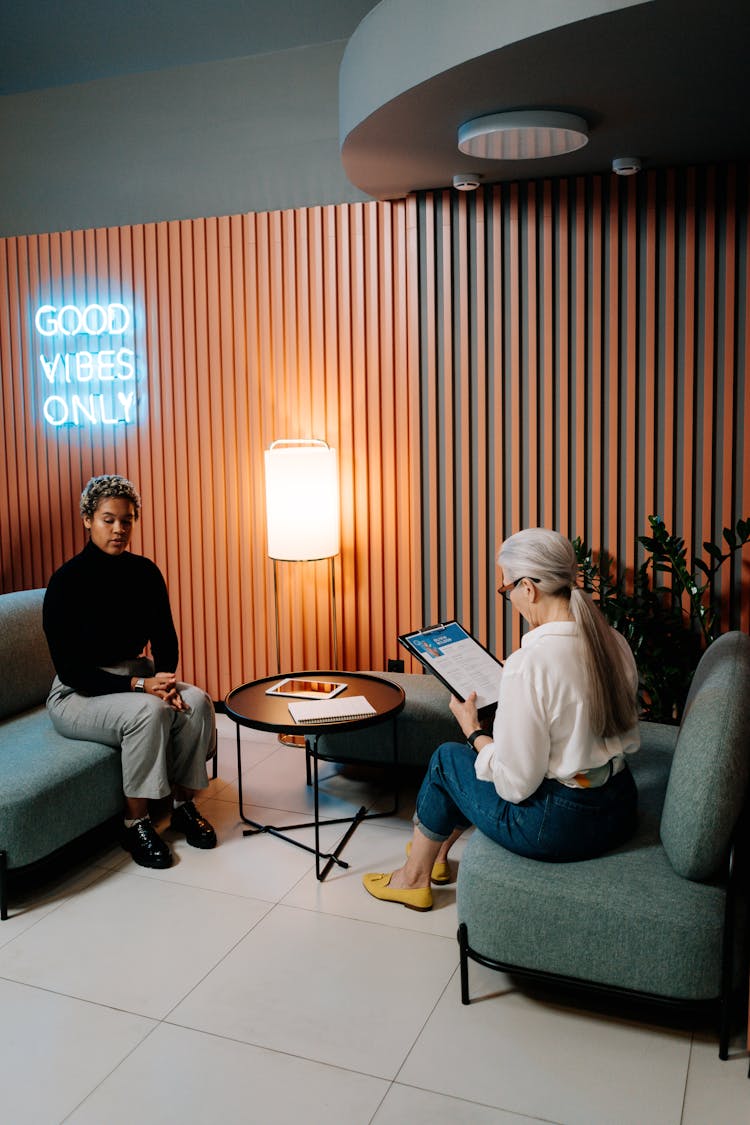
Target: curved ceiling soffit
<point>415,70</point>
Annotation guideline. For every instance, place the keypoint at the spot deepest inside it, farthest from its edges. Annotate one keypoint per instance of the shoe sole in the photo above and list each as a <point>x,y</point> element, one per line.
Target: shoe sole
<point>151,866</point>
<point>205,845</point>
<point>203,842</point>
<point>398,902</point>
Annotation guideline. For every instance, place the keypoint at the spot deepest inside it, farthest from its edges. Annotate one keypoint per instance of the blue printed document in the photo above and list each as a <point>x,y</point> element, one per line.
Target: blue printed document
<point>458,660</point>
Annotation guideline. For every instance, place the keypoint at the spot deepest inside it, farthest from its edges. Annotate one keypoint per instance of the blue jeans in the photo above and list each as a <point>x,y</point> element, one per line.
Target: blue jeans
<point>554,823</point>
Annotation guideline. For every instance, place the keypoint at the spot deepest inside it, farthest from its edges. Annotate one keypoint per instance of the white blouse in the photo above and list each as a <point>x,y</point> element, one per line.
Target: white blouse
<point>541,726</point>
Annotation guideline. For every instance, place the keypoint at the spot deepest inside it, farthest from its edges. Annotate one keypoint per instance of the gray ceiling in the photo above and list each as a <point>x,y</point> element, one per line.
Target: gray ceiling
<point>58,42</point>
<point>667,81</point>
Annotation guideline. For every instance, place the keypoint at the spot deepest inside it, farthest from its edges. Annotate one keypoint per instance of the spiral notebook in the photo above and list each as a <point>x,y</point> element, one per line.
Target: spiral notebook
<point>331,710</point>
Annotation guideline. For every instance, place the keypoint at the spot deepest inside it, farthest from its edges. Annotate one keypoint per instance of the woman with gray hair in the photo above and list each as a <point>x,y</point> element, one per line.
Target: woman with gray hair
<point>104,610</point>
<point>551,781</point>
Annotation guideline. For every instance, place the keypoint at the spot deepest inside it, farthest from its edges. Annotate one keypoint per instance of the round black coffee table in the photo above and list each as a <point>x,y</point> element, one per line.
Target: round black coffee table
<point>250,706</point>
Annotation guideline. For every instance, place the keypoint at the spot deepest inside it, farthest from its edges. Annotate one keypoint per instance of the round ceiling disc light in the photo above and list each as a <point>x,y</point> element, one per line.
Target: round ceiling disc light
<point>527,134</point>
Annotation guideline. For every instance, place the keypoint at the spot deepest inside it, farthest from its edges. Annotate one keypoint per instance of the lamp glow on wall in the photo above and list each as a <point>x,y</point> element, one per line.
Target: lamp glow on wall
<point>302,512</point>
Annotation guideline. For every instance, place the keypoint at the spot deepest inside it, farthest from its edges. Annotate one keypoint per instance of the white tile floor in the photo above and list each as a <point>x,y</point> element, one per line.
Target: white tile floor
<point>236,988</point>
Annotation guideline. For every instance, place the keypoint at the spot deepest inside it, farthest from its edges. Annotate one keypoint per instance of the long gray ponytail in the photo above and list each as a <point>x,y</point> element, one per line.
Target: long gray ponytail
<point>549,557</point>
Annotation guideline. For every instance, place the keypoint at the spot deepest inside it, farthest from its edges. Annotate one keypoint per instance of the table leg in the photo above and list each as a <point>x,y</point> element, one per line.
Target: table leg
<point>358,817</point>
<point>332,857</point>
<point>311,754</point>
<point>256,828</point>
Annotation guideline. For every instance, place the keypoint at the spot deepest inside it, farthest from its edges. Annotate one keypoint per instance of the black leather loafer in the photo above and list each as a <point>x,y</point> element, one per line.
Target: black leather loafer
<point>198,832</point>
<point>146,845</point>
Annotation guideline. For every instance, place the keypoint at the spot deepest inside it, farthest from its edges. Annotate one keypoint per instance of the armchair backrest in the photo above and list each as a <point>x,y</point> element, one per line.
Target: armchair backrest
<point>708,781</point>
<point>26,670</point>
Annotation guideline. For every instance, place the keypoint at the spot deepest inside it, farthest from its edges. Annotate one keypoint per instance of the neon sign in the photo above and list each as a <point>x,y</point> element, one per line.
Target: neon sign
<point>89,368</point>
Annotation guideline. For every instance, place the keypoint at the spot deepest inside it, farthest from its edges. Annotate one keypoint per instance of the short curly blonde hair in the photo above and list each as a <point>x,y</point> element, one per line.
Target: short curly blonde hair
<point>102,488</point>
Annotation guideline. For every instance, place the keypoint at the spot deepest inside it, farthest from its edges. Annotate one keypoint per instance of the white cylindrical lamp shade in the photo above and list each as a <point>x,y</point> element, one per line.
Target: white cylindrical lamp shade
<point>302,501</point>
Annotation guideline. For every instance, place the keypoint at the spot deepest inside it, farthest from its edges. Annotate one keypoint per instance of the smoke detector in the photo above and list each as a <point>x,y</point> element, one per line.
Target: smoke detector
<point>626,165</point>
<point>467,181</point>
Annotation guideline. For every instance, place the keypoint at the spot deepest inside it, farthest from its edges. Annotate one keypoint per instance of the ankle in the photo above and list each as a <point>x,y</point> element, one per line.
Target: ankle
<point>129,823</point>
<point>414,881</point>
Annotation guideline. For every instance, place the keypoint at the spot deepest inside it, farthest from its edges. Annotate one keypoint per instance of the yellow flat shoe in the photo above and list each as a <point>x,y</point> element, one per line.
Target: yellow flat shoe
<point>441,872</point>
<point>377,886</point>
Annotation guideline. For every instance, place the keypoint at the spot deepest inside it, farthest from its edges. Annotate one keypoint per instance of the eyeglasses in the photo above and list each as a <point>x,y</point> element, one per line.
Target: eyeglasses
<point>507,590</point>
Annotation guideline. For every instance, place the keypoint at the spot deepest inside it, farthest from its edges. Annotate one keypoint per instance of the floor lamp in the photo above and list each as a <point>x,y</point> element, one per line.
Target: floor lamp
<point>302,512</point>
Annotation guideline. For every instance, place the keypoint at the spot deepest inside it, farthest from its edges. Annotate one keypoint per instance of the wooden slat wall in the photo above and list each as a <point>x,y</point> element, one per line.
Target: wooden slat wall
<point>572,353</point>
<point>252,328</point>
<point>600,330</point>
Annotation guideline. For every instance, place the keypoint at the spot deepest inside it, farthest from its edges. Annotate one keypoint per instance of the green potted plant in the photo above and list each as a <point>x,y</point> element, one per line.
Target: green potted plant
<point>668,615</point>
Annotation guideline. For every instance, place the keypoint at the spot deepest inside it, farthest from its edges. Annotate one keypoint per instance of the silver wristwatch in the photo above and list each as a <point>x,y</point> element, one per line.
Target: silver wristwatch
<point>140,684</point>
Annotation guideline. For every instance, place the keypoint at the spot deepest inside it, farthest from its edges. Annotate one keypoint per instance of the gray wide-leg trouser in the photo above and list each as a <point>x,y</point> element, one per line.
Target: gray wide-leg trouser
<point>160,747</point>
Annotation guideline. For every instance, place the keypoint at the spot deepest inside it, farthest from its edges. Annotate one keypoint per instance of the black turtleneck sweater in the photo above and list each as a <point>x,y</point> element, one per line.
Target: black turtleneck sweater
<point>102,609</point>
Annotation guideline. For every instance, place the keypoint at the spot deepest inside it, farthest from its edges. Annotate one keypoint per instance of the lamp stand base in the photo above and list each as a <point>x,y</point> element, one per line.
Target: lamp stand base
<point>292,740</point>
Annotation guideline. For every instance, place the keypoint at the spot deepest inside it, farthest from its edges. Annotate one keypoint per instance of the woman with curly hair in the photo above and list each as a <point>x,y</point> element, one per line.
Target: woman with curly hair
<point>103,610</point>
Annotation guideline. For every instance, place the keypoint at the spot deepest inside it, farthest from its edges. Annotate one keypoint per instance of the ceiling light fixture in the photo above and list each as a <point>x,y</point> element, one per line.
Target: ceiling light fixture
<point>526,134</point>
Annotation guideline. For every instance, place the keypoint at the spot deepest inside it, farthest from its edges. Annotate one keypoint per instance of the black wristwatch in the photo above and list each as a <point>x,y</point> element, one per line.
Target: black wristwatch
<point>474,736</point>
<point>140,684</point>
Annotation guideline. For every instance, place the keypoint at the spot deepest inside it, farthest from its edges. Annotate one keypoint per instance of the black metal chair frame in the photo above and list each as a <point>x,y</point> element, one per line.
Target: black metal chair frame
<point>736,867</point>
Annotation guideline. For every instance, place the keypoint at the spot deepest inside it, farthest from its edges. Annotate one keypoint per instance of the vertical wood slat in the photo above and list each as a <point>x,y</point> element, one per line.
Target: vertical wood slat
<point>531,443</point>
<point>562,363</point>
<point>630,455</point>
<point>483,452</point>
<point>464,475</point>
<point>514,336</point>
<point>431,526</point>
<point>496,378</point>
<point>649,357</point>
<point>668,343</point>
<point>688,320</point>
<point>413,550</point>
<point>725,498</point>
<point>372,589</point>
<point>708,445</point>
<point>548,510</point>
<point>597,416</point>
<point>578,290</point>
<point>612,380</point>
<point>449,542</point>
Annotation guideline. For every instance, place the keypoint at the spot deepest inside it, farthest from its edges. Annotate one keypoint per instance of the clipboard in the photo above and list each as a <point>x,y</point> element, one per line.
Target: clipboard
<point>458,660</point>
